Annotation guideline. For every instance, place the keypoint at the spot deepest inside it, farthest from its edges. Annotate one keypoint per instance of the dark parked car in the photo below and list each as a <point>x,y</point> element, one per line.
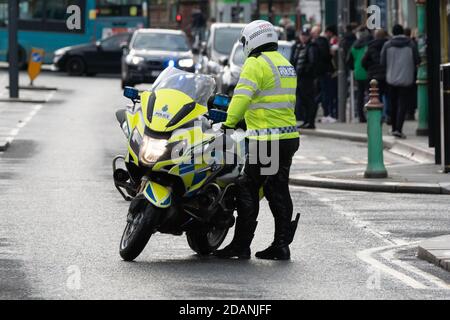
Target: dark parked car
<point>103,56</point>
<point>151,51</point>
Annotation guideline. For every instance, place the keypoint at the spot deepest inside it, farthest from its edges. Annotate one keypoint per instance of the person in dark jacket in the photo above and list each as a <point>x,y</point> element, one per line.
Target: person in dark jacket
<point>348,39</point>
<point>412,105</point>
<point>324,69</point>
<point>375,70</point>
<point>304,60</point>
<point>333,39</point>
<point>401,58</point>
<point>354,61</point>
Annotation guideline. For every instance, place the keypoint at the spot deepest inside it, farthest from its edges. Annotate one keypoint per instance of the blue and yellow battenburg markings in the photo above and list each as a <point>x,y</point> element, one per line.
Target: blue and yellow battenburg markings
<point>158,195</point>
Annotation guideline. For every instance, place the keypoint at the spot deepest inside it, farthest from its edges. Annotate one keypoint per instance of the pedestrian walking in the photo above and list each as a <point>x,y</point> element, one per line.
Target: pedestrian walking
<point>332,36</point>
<point>401,58</point>
<point>289,26</point>
<point>354,62</point>
<point>412,105</point>
<point>304,61</point>
<point>198,27</point>
<point>324,69</point>
<point>375,70</point>
<point>265,96</point>
<point>348,39</point>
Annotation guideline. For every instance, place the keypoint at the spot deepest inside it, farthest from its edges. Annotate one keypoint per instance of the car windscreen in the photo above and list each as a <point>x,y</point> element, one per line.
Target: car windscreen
<point>225,38</point>
<point>160,41</point>
<point>197,86</point>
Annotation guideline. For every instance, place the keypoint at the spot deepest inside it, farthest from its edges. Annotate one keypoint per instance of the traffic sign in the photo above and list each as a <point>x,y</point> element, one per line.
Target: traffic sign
<point>35,63</point>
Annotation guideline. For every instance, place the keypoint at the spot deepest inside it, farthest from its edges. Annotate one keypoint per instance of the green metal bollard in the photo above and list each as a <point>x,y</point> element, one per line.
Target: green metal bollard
<point>422,72</point>
<point>375,165</point>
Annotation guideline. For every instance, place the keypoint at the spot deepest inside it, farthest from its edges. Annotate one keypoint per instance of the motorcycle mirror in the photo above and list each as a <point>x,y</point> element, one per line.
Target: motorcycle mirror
<point>131,93</point>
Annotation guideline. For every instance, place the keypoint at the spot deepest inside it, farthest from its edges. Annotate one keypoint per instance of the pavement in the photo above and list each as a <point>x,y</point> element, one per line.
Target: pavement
<point>436,251</point>
<point>422,177</point>
<point>61,221</point>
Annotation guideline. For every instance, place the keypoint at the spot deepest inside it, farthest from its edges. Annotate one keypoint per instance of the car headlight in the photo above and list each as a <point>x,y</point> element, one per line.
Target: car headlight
<point>134,59</point>
<point>151,150</point>
<point>186,63</point>
<point>60,52</point>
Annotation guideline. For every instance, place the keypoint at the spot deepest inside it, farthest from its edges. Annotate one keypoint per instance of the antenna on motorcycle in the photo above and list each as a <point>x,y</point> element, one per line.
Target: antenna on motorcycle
<point>131,93</point>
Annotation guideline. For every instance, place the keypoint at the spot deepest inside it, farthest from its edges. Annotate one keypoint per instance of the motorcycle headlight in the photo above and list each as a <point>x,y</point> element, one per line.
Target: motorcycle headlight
<point>151,150</point>
<point>186,63</point>
<point>134,59</point>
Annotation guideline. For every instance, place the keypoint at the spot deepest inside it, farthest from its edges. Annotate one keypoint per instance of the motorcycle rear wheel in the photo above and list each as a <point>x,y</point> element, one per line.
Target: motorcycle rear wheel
<point>137,232</point>
<point>205,243</point>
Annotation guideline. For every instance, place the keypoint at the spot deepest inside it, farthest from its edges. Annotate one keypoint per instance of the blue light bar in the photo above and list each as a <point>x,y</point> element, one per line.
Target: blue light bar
<point>217,115</point>
<point>131,93</point>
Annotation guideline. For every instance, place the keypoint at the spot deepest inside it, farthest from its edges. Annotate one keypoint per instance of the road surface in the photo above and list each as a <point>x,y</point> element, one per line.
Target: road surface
<point>61,221</point>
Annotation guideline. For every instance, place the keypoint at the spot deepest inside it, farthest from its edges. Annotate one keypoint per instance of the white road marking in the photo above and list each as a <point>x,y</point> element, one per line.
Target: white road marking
<point>322,160</point>
<point>366,256</point>
<point>393,244</point>
<point>389,256</point>
<point>349,160</point>
<point>14,132</point>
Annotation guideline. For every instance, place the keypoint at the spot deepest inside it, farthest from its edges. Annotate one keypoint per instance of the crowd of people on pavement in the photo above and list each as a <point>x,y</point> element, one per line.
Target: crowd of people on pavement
<point>392,60</point>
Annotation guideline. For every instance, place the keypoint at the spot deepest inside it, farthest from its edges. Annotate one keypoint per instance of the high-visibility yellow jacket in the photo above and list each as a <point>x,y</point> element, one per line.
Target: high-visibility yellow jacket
<point>265,97</point>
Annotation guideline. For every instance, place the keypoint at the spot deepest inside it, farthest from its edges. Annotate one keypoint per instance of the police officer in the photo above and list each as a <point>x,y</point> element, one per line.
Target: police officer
<point>265,97</point>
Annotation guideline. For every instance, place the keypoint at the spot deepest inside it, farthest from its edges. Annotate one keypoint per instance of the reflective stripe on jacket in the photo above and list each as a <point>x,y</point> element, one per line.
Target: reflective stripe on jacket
<point>265,96</point>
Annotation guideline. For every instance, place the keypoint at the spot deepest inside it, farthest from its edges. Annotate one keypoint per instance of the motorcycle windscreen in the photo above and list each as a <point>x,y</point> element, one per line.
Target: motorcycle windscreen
<point>169,109</point>
<point>177,98</point>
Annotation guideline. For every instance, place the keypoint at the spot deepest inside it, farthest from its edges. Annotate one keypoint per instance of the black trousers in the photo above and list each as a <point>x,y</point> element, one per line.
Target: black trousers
<point>275,185</point>
<point>363,86</point>
<point>399,98</point>
<point>306,107</point>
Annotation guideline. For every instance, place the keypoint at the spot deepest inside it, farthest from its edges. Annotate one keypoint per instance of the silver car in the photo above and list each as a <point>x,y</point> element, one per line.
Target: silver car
<point>229,76</point>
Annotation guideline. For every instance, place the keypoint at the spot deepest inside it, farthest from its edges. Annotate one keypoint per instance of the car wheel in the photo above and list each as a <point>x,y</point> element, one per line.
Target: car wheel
<point>75,66</point>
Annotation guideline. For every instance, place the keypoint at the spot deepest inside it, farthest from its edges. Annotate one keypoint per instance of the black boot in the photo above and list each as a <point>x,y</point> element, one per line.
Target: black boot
<point>275,252</point>
<point>284,235</point>
<point>279,249</point>
<point>240,246</point>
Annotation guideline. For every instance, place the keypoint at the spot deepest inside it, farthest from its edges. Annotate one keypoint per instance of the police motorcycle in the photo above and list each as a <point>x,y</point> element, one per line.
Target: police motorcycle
<point>173,174</point>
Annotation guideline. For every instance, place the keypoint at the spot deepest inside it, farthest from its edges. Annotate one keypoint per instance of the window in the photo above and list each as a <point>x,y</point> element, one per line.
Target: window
<point>225,38</point>
<point>119,8</point>
<point>114,43</point>
<point>3,13</point>
<point>48,15</point>
<point>160,41</point>
<point>31,9</point>
<point>56,9</point>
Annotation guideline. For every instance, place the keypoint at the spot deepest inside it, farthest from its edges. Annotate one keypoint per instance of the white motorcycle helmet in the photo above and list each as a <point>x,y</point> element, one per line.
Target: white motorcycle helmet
<point>256,34</point>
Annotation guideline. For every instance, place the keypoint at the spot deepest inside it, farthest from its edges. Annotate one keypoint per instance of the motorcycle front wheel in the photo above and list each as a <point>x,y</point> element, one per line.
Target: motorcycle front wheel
<point>206,242</point>
<point>137,232</point>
